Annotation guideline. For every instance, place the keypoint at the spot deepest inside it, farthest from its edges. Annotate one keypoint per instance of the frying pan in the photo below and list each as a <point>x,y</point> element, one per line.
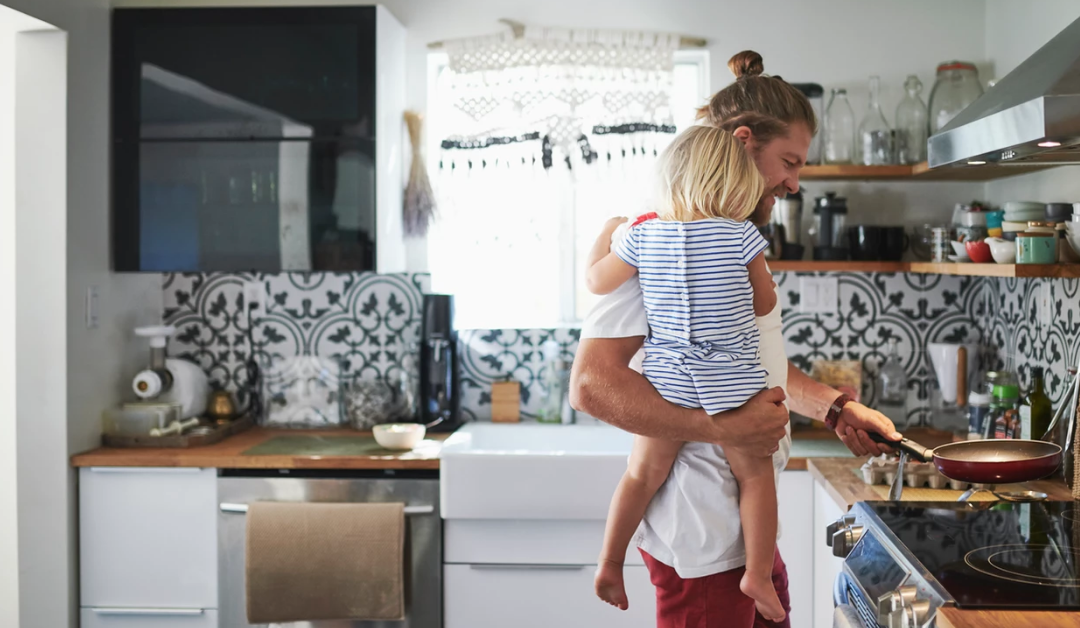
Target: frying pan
<point>994,461</point>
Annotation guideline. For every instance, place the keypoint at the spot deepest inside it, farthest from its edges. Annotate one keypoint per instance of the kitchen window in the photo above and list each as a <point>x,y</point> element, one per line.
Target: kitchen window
<point>510,242</point>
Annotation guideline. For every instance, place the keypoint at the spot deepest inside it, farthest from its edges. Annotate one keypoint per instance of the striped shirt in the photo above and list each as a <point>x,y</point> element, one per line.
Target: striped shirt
<point>703,345</point>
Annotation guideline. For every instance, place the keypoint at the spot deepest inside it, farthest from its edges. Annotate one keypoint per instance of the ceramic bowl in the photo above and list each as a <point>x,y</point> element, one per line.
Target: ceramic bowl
<point>958,248</point>
<point>399,435</point>
<point>1013,226</point>
<point>979,252</point>
<point>1023,206</point>
<point>1003,251</point>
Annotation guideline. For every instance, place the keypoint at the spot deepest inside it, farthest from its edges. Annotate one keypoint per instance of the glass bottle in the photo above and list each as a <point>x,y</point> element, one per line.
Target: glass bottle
<point>892,386</point>
<point>957,86</point>
<point>875,137</point>
<point>839,129</point>
<point>1035,410</point>
<point>912,124</point>
<point>1004,406</point>
<point>551,407</point>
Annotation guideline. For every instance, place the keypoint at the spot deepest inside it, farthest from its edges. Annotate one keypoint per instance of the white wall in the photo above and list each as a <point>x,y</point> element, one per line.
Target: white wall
<point>1014,30</point>
<point>838,43</point>
<point>60,400</point>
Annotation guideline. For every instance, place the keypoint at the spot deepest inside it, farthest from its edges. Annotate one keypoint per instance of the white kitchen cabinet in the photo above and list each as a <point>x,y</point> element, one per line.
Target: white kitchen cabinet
<point>795,506</point>
<point>541,596</point>
<point>148,540</point>
<point>148,618</point>
<point>826,566</point>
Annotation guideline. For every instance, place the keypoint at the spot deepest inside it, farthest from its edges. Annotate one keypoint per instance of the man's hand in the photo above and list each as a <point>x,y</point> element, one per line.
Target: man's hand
<point>757,427</point>
<point>854,423</point>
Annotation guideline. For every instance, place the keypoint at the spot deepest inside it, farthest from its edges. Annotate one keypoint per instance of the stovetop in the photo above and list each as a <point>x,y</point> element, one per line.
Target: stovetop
<point>993,554</point>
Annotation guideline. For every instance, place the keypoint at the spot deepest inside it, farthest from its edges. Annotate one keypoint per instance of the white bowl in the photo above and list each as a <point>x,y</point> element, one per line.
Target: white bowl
<point>1073,236</point>
<point>399,435</point>
<point>959,248</point>
<point>1003,251</point>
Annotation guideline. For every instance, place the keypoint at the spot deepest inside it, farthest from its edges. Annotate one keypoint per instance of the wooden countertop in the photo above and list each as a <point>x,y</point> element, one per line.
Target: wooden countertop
<point>956,618</point>
<point>837,477</point>
<point>228,454</point>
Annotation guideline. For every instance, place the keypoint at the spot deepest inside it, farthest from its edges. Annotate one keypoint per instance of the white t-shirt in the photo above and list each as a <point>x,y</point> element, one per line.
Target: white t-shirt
<point>692,524</point>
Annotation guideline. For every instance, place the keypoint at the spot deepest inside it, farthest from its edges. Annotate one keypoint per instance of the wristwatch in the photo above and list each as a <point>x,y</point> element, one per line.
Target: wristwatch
<point>835,409</point>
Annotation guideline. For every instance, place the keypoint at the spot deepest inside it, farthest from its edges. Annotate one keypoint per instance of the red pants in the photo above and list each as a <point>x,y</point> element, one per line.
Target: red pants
<point>712,601</point>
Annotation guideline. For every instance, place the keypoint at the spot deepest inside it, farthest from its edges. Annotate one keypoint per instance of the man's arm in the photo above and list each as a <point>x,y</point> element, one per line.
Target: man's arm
<point>813,399</point>
<point>603,385</point>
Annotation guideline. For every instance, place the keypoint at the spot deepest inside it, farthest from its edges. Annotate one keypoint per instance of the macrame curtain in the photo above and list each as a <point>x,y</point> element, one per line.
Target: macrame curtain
<point>575,96</point>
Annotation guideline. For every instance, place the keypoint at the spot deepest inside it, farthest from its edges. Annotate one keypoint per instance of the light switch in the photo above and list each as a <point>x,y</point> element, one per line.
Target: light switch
<point>91,309</point>
<point>818,295</point>
<point>1045,305</point>
<point>254,295</point>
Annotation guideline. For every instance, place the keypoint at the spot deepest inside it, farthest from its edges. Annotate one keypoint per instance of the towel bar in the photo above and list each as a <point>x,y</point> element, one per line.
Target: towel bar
<point>409,510</point>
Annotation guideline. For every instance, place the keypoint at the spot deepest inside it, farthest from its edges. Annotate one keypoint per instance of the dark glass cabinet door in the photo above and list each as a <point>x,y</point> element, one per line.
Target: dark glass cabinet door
<point>244,139</point>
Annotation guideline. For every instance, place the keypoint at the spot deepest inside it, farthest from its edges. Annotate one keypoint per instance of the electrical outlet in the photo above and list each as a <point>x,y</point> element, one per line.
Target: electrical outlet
<point>254,295</point>
<point>819,295</point>
<point>92,307</point>
<point>1045,305</point>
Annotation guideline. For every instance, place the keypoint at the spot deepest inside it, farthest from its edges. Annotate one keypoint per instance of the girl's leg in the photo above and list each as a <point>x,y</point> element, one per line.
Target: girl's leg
<point>757,512</point>
<point>650,462</point>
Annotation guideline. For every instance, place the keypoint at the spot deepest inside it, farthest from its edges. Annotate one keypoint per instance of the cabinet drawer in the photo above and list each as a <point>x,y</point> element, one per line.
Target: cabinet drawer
<point>148,618</point>
<point>148,539</point>
<point>541,596</point>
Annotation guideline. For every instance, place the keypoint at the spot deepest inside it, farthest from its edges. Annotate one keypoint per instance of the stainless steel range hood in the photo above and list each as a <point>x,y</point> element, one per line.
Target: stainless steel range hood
<point>1030,117</point>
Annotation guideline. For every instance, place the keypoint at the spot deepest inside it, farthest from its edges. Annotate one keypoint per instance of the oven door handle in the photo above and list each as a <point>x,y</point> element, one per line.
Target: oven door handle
<point>240,509</point>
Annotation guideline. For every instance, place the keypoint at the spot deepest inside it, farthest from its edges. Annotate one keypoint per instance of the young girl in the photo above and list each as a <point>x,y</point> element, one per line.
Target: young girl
<point>704,280</point>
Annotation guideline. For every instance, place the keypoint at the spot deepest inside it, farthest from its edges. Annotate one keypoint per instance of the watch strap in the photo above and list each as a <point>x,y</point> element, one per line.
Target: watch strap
<point>835,409</point>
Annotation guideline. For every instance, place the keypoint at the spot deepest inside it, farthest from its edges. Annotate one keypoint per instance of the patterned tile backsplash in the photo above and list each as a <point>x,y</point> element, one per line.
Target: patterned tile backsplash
<point>363,321</point>
<point>367,323</point>
<point>1010,312</point>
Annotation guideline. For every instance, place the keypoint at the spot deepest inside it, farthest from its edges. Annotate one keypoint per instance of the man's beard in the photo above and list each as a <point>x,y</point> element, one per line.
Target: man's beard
<point>763,212</point>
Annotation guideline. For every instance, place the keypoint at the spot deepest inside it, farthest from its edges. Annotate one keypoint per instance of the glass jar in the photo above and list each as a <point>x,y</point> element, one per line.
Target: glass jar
<point>956,87</point>
<point>912,124</point>
<point>875,137</point>
<point>839,146</point>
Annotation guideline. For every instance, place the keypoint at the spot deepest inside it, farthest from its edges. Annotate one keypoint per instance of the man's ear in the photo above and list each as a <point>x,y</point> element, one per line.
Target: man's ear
<point>746,136</point>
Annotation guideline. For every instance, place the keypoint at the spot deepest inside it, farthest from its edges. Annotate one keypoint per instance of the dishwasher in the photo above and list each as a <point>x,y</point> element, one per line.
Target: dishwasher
<point>418,490</point>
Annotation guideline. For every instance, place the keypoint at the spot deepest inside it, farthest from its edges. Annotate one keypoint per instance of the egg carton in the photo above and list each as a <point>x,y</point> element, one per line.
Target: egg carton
<point>916,475</point>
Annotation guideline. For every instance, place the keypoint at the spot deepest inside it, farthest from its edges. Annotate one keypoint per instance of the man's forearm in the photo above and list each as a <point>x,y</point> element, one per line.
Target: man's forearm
<point>602,385</point>
<point>807,396</point>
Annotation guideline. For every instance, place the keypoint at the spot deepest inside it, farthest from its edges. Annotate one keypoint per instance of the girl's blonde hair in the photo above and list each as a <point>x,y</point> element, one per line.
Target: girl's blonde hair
<point>708,173</point>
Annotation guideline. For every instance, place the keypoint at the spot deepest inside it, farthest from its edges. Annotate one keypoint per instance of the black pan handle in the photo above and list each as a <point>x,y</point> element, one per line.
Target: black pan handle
<point>913,449</point>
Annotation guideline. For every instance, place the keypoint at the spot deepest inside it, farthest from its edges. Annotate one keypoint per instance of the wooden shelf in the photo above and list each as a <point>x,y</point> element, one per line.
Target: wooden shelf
<point>838,267</point>
<point>997,270</point>
<point>1067,271</point>
<point>918,172</point>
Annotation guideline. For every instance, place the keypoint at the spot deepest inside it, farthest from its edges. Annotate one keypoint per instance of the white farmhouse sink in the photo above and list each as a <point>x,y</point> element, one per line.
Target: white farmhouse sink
<point>531,471</point>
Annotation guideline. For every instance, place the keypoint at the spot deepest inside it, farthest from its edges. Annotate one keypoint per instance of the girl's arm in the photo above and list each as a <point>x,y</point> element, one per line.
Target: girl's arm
<point>609,273</point>
<point>606,271</point>
<point>602,246</point>
<point>762,283</point>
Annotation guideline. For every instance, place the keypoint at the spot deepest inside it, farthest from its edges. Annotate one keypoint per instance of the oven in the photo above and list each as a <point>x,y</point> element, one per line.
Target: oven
<point>418,490</point>
<point>905,560</point>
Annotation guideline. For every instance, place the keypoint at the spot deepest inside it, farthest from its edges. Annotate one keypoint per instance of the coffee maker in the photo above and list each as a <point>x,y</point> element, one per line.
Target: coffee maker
<point>440,385</point>
<point>830,214</point>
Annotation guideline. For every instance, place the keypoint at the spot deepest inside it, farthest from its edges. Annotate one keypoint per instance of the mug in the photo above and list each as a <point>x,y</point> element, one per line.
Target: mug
<point>864,242</point>
<point>894,242</point>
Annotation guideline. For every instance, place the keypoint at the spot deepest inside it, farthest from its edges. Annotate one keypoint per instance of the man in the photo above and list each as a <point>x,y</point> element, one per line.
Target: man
<point>695,514</point>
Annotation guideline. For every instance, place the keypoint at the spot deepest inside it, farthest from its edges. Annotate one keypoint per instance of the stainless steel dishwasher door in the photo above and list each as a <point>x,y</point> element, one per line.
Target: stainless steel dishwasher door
<point>418,490</point>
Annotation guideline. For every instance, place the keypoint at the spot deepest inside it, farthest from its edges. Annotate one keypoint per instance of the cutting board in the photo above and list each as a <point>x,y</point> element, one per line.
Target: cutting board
<point>924,494</point>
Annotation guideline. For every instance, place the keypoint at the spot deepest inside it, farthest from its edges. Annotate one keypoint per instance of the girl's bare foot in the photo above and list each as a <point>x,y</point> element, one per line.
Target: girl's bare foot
<point>761,590</point>
<point>609,584</point>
